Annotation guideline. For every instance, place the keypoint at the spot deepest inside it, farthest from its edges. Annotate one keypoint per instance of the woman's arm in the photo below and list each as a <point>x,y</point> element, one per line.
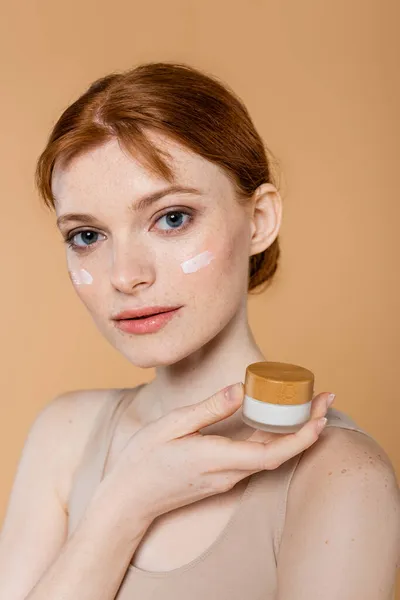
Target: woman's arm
<point>92,564</point>
<point>342,531</point>
<point>35,525</point>
<point>37,562</point>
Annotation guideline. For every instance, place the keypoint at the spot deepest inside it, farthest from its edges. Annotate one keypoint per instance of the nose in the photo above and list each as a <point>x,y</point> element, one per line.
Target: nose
<point>131,266</point>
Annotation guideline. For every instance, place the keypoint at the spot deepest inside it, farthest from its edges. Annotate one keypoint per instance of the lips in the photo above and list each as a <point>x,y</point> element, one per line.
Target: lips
<point>149,311</point>
<point>146,325</point>
<point>144,316</point>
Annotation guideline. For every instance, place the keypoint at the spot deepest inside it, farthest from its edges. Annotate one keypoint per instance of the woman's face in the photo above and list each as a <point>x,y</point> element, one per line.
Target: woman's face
<point>129,259</point>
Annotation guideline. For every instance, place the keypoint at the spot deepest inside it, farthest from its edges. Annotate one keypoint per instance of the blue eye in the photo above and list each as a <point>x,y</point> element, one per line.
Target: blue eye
<point>174,219</point>
<point>87,232</point>
<point>88,235</point>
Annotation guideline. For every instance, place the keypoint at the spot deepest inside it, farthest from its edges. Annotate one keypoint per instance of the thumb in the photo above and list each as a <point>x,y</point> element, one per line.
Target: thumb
<point>222,404</point>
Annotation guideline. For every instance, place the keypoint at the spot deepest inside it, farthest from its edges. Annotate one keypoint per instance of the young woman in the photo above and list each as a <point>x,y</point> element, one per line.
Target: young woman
<point>164,195</point>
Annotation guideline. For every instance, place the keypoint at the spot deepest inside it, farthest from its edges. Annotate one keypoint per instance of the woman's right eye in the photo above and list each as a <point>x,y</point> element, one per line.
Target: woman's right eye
<point>87,233</point>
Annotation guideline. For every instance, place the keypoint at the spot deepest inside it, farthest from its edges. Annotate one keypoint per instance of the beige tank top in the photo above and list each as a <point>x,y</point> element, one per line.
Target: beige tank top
<point>240,563</point>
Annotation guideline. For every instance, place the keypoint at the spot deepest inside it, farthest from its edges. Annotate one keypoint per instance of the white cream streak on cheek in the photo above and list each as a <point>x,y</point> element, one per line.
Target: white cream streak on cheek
<point>82,277</point>
<point>197,262</point>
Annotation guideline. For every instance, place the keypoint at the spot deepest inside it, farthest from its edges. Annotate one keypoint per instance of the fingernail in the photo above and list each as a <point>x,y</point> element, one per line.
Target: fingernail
<point>331,398</point>
<point>321,424</point>
<point>231,391</point>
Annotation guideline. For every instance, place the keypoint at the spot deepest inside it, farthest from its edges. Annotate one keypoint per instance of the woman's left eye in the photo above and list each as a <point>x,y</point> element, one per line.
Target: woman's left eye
<point>172,216</point>
<point>176,220</point>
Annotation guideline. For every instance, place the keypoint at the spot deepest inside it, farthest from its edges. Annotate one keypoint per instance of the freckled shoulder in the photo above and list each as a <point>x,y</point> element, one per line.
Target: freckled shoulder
<point>339,452</point>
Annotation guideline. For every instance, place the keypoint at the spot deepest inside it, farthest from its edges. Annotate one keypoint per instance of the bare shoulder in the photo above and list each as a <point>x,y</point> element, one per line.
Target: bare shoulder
<point>69,419</point>
<point>339,444</point>
<point>343,508</point>
<point>37,504</point>
<point>341,457</point>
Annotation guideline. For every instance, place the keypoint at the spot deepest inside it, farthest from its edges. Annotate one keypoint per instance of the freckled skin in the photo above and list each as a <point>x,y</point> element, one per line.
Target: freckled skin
<point>151,261</point>
<point>148,261</point>
<point>135,263</point>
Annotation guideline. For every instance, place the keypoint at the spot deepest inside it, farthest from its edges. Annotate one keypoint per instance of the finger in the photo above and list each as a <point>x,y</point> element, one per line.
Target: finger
<point>257,456</point>
<point>188,419</point>
<point>260,435</point>
<point>320,405</point>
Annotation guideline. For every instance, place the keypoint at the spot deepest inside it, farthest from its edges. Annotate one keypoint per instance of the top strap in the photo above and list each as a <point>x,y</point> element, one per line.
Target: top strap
<point>90,470</point>
<point>118,409</point>
<point>336,418</point>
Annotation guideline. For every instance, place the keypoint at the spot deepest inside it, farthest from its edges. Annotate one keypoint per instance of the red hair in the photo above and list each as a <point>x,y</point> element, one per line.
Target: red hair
<point>189,106</point>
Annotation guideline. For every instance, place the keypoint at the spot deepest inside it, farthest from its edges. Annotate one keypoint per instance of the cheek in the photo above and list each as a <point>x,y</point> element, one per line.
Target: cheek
<point>217,263</point>
<point>82,279</point>
<point>197,262</point>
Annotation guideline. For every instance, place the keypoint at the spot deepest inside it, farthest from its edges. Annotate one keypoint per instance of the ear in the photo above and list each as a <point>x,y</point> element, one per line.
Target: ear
<point>265,218</point>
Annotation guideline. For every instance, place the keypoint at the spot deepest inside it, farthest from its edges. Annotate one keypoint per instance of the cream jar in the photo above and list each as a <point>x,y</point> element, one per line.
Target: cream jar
<point>277,396</point>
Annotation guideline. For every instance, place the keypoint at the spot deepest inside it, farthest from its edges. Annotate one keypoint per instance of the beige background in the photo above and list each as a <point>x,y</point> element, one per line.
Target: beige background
<point>320,80</point>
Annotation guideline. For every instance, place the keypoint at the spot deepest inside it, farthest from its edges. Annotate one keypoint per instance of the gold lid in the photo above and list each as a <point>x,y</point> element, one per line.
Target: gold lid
<point>279,383</point>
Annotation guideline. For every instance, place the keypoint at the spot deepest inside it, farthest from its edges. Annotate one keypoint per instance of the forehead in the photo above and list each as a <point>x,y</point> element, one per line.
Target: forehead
<point>108,171</point>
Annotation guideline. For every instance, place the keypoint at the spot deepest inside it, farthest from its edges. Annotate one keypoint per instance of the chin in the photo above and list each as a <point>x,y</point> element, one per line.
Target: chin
<point>149,352</point>
<point>166,347</point>
<point>149,360</point>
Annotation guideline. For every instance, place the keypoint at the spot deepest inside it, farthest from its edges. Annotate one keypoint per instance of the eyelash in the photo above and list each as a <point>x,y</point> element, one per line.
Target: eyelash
<point>68,239</point>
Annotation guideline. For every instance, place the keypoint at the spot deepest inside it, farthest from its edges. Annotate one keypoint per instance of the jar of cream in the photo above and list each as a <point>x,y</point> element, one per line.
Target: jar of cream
<point>277,396</point>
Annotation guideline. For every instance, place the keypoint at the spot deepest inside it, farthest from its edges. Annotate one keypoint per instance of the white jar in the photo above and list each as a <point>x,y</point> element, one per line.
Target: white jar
<point>277,396</point>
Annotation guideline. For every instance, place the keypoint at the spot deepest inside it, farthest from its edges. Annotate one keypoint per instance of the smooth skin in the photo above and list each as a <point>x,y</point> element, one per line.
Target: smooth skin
<point>200,465</point>
<point>45,518</point>
<point>46,470</point>
<point>343,503</point>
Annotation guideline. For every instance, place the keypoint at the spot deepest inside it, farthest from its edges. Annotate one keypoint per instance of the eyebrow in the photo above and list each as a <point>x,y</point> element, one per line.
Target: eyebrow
<point>139,206</point>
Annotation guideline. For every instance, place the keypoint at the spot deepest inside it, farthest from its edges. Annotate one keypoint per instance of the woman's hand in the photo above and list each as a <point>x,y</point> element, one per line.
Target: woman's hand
<point>169,463</point>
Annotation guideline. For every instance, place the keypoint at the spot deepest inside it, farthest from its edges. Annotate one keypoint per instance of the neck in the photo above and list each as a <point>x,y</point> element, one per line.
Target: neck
<point>219,363</point>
